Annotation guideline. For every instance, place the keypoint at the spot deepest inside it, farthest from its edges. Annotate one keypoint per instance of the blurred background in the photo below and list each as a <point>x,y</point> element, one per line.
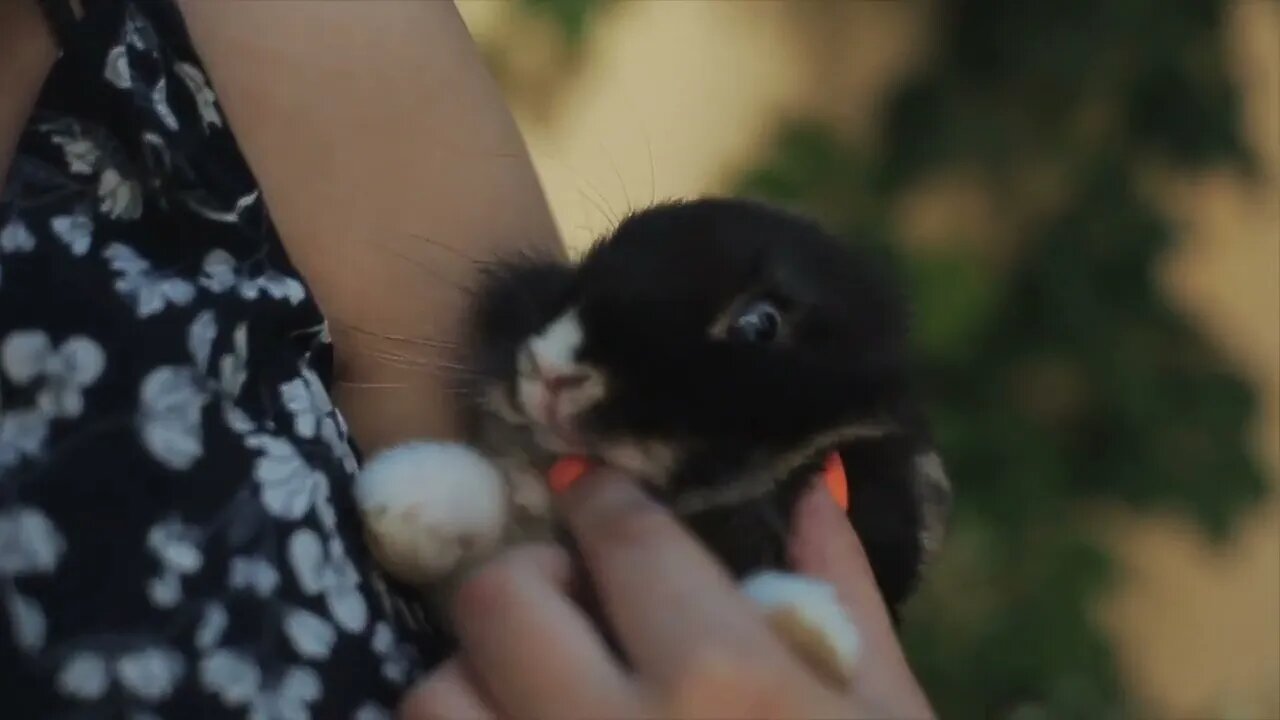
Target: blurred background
<point>1085,198</point>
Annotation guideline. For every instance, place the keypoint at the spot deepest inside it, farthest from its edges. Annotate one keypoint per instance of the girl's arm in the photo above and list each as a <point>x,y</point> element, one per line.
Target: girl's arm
<point>380,140</point>
<point>28,53</point>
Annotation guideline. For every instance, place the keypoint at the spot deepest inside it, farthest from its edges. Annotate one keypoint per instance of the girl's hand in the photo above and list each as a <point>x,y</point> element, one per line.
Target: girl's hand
<point>699,647</point>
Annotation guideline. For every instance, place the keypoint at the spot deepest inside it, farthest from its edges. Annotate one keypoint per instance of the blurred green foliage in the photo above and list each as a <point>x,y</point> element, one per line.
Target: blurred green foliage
<point>1059,373</point>
<point>570,16</point>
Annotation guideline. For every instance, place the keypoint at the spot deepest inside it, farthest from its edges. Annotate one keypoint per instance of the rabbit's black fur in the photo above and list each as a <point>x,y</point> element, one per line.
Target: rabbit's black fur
<point>727,413</point>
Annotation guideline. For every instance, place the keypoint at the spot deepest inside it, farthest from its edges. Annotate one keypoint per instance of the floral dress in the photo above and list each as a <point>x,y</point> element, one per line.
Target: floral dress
<point>177,532</point>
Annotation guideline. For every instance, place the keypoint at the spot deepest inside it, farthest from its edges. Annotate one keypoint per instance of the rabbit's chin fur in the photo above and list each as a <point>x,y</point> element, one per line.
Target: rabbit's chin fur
<point>717,350</point>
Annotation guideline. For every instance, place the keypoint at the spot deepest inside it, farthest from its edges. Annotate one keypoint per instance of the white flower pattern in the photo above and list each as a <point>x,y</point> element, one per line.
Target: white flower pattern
<point>150,673</point>
<point>290,698</point>
<point>206,103</point>
<point>397,660</point>
<point>84,676</point>
<point>274,285</point>
<point>151,291</point>
<point>200,337</point>
<point>254,574</point>
<point>75,231</point>
<point>233,676</point>
<point>311,635</point>
<point>160,103</point>
<point>64,372</point>
<point>27,622</point>
<point>22,435</point>
<point>59,376</point>
<point>203,206</point>
<point>175,545</point>
<point>163,378</point>
<point>371,711</point>
<point>171,402</point>
<point>212,625</point>
<point>288,487</point>
<point>117,70</point>
<point>297,398</point>
<point>119,198</point>
<point>330,574</point>
<point>80,153</point>
<point>16,237</point>
<point>30,544</point>
<point>306,398</point>
<point>233,368</point>
<point>220,273</point>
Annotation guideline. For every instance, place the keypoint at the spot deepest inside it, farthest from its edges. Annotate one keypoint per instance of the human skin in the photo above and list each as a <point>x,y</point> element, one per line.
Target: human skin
<point>698,648</point>
<point>378,137</point>
<point>29,53</point>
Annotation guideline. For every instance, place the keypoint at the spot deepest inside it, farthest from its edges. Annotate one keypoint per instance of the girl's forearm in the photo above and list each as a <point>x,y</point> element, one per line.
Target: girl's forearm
<point>379,138</point>
<point>28,53</point>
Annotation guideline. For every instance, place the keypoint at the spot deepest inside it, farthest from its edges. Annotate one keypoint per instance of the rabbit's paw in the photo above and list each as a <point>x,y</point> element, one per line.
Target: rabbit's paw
<point>808,617</point>
<point>429,507</point>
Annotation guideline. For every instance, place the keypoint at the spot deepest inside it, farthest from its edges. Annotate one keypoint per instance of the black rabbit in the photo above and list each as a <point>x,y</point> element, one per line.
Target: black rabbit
<point>720,350</point>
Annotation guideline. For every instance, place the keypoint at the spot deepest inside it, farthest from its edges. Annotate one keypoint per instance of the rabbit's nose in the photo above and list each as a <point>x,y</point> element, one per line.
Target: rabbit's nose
<point>558,382</point>
<point>555,377</point>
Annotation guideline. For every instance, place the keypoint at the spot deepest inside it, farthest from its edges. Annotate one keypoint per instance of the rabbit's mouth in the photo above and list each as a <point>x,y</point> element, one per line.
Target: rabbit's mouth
<point>553,389</point>
<point>547,418</point>
<point>554,433</point>
<point>651,460</point>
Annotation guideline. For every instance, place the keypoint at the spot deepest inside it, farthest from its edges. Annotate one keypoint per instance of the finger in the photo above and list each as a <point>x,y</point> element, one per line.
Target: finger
<point>447,694</point>
<point>532,649</point>
<point>670,602</point>
<point>826,547</point>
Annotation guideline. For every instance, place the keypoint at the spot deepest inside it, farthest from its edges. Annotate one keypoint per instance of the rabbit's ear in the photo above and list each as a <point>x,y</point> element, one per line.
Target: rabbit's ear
<point>899,503</point>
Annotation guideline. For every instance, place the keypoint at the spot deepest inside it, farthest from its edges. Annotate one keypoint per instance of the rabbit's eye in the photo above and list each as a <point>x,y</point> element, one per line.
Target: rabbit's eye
<point>759,322</point>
